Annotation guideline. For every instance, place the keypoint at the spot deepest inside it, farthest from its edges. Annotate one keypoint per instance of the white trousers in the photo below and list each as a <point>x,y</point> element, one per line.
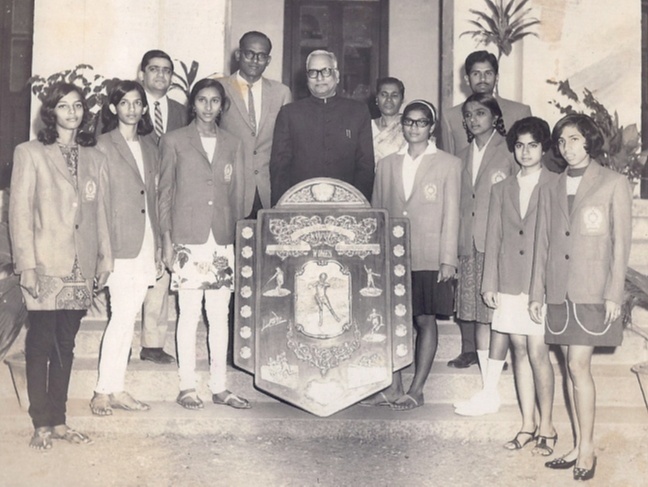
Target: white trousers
<point>127,293</point>
<point>217,308</point>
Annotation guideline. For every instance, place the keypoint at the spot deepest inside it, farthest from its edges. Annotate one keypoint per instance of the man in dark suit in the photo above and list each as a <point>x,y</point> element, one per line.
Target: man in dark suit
<point>255,103</point>
<point>155,75</point>
<point>482,74</point>
<point>324,135</point>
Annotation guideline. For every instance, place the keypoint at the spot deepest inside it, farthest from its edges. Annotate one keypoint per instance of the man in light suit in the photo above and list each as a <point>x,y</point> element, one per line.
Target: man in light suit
<point>166,115</point>
<point>255,103</point>
<point>481,69</point>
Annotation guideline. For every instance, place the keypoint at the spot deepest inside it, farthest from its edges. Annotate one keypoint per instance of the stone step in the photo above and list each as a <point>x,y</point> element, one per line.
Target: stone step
<point>634,349</point>
<point>616,385</point>
<point>273,420</point>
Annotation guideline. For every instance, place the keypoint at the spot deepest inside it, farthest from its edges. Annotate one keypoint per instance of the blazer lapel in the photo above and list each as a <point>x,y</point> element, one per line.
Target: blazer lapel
<point>238,91</point>
<point>469,165</point>
<point>266,101</point>
<point>513,194</point>
<point>586,184</point>
<point>489,154</point>
<point>562,194</point>
<point>54,154</point>
<point>397,178</point>
<point>125,152</point>
<point>533,202</point>
<point>194,141</point>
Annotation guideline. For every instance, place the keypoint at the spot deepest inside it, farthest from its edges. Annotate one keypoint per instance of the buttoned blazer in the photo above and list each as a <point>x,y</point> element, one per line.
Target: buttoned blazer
<point>50,220</point>
<point>132,198</point>
<point>432,208</point>
<point>316,137</point>
<point>510,237</point>
<point>497,164</point>
<point>583,254</point>
<point>198,195</point>
<point>453,134</point>
<point>257,141</point>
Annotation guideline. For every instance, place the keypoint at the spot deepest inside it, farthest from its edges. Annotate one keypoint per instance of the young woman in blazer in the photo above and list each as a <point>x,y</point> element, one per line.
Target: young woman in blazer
<point>201,199</point>
<point>422,183</point>
<point>58,218</point>
<point>582,248</point>
<point>134,233</point>
<point>486,161</point>
<point>505,288</point>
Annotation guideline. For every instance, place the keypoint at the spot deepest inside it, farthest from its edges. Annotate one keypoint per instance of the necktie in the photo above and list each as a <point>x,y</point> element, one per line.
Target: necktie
<point>157,123</point>
<point>251,110</point>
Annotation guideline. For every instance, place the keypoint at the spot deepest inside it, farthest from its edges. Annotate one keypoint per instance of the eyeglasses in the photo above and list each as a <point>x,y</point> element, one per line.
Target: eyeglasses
<point>420,123</point>
<point>259,57</point>
<point>314,73</point>
<point>152,68</point>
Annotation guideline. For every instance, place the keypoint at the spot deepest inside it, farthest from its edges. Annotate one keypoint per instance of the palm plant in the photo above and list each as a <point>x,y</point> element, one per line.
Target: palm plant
<point>185,81</point>
<point>502,25</point>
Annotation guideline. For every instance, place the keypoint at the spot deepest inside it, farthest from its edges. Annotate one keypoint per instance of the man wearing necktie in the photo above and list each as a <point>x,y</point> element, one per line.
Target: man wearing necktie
<point>155,75</point>
<point>255,103</point>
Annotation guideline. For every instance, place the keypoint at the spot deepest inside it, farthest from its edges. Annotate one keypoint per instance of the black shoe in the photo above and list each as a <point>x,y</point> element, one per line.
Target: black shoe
<point>585,474</point>
<point>464,360</point>
<point>157,356</point>
<point>560,463</point>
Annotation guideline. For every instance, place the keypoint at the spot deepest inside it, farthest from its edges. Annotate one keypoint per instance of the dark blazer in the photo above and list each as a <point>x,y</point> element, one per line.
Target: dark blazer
<point>453,134</point>
<point>498,164</point>
<point>197,194</point>
<point>51,219</point>
<point>432,208</point>
<point>177,118</point>
<point>130,195</point>
<point>583,254</point>
<point>330,138</point>
<point>510,237</point>
<point>257,142</point>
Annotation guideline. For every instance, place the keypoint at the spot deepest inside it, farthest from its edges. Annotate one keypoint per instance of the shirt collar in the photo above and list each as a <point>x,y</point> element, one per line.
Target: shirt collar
<point>241,80</point>
<point>430,149</point>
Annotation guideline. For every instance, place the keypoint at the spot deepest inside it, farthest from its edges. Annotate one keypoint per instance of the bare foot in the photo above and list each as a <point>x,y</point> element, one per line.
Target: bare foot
<point>100,404</point>
<point>42,439</point>
<point>408,402</point>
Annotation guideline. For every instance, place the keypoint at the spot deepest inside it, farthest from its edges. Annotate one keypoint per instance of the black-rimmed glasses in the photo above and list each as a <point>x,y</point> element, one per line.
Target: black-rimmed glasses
<point>314,73</point>
<point>259,57</point>
<point>420,123</point>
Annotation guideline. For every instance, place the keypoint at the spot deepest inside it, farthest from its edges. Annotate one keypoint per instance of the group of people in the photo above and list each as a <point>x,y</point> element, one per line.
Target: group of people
<point>523,256</point>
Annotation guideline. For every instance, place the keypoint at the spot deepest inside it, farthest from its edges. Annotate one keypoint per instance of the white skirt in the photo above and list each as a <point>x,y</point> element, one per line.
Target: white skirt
<point>512,316</point>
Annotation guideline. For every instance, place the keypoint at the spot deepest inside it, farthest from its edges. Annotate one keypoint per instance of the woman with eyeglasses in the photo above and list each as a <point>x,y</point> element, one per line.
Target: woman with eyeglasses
<point>58,220</point>
<point>387,130</point>
<point>422,183</point>
<point>201,199</point>
<point>486,161</point>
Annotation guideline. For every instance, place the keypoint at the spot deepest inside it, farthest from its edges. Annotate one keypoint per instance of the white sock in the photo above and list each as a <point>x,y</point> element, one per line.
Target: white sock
<point>493,375</point>
<point>482,358</point>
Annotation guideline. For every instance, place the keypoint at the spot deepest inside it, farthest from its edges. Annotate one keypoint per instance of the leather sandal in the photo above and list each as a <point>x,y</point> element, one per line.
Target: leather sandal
<point>189,399</point>
<point>123,400</point>
<point>231,400</point>
<point>542,447</point>
<point>41,439</point>
<point>516,444</point>
<point>100,404</point>
<point>70,435</point>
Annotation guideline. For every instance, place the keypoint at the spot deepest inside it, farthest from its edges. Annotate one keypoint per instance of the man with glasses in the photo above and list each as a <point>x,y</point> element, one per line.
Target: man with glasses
<point>155,75</point>
<point>324,135</point>
<point>255,103</point>
<point>481,69</point>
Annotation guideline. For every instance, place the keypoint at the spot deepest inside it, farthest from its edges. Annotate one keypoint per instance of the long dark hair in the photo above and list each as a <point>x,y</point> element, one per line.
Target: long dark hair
<point>110,120</point>
<point>48,134</point>
<point>201,85</point>
<point>489,102</point>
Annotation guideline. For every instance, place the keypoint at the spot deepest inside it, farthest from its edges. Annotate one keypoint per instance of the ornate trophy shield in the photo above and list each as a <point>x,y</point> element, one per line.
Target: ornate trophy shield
<point>322,309</point>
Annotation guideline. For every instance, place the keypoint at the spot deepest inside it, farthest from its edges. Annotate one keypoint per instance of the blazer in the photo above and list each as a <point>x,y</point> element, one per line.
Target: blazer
<point>453,134</point>
<point>497,164</point>
<point>257,141</point>
<point>510,237</point>
<point>583,254</point>
<point>198,195</point>
<point>432,208</point>
<point>317,137</point>
<point>176,118</point>
<point>51,219</point>
<point>130,195</point>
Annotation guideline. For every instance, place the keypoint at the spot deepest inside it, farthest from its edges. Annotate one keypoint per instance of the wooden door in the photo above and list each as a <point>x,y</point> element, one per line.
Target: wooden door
<point>17,20</point>
<point>355,30</point>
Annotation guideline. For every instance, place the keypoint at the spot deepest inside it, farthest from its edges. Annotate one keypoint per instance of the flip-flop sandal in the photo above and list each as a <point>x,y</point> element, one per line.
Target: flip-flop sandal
<point>123,400</point>
<point>406,403</point>
<point>72,436</point>
<point>231,400</point>
<point>188,399</point>
<point>41,439</point>
<point>100,404</point>
<point>380,400</point>
<point>516,444</point>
